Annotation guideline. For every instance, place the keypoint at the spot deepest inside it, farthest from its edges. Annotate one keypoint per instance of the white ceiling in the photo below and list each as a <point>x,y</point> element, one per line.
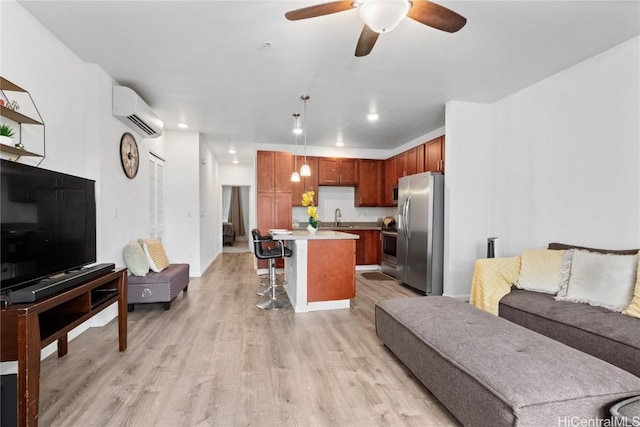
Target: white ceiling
<point>207,63</point>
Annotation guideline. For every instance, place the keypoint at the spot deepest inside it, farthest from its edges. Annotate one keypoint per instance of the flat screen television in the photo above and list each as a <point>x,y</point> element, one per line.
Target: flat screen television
<point>48,224</point>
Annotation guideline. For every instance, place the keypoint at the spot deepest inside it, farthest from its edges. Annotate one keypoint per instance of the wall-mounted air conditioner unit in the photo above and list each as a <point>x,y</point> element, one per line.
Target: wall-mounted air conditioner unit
<point>135,113</point>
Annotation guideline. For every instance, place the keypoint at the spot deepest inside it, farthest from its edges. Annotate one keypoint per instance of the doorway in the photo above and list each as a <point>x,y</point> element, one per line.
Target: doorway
<point>235,218</point>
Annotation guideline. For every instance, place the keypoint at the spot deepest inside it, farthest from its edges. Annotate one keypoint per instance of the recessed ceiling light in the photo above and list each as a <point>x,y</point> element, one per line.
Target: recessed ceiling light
<point>235,161</point>
<point>339,144</point>
<point>183,125</point>
<point>372,117</point>
<point>232,150</point>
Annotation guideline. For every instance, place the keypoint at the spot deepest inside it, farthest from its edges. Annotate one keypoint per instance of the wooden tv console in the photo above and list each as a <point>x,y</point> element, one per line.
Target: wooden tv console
<point>27,328</point>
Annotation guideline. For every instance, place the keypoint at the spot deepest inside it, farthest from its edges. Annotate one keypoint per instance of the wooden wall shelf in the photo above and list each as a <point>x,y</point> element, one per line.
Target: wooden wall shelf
<point>17,151</point>
<point>21,120</point>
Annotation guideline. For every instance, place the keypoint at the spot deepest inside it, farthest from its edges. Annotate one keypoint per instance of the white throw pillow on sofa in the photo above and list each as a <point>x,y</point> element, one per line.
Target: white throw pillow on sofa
<point>540,270</point>
<point>604,280</point>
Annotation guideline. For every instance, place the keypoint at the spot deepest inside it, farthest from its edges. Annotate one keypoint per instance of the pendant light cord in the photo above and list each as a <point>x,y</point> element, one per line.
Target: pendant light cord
<point>305,98</point>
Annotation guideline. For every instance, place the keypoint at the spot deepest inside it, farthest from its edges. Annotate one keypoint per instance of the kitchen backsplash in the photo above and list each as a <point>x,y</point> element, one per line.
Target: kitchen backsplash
<point>329,199</point>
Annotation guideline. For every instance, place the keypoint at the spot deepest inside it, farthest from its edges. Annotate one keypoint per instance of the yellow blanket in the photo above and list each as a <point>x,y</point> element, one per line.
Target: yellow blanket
<point>492,279</point>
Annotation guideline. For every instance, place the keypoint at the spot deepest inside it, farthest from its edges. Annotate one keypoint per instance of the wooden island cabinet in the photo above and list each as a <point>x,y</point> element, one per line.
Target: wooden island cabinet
<point>321,271</point>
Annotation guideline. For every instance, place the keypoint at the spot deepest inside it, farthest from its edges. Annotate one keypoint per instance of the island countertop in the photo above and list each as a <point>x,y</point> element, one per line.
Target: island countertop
<point>318,235</point>
<point>320,272</point>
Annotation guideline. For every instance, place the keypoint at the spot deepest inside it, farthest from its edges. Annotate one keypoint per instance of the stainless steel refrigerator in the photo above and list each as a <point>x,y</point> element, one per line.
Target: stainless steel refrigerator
<point>421,232</point>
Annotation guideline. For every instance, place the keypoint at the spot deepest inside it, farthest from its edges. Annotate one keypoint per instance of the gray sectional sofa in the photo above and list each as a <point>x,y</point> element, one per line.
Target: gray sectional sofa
<point>488,371</point>
<point>607,335</point>
<point>540,362</point>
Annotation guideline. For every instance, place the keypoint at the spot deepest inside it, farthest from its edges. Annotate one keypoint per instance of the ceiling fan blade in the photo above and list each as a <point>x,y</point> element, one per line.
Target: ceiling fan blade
<point>436,16</point>
<point>319,10</point>
<point>366,41</point>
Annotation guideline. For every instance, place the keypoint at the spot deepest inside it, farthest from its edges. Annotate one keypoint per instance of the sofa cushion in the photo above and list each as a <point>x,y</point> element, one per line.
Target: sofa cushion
<point>604,280</point>
<point>600,332</point>
<point>155,253</point>
<point>565,246</point>
<point>135,259</point>
<point>540,270</point>
<point>490,372</point>
<point>634,307</point>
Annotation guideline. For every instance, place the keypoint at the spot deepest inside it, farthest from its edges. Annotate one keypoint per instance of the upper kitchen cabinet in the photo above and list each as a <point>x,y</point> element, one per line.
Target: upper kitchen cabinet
<point>274,171</point>
<point>370,182</point>
<point>434,155</point>
<point>420,157</point>
<point>390,181</point>
<point>332,171</point>
<point>407,163</point>
<point>307,183</point>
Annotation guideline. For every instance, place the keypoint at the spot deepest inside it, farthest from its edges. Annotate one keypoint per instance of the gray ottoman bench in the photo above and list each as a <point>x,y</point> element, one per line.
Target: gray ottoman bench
<point>158,287</point>
<point>488,371</point>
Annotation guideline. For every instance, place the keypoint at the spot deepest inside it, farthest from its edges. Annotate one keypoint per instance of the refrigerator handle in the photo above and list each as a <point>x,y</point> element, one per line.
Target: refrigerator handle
<point>407,217</point>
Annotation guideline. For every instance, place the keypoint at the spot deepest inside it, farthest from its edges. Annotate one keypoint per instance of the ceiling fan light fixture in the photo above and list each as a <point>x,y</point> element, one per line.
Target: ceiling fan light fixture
<point>383,16</point>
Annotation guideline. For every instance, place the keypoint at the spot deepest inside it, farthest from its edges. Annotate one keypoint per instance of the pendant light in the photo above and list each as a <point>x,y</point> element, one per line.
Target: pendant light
<point>305,170</point>
<point>295,176</point>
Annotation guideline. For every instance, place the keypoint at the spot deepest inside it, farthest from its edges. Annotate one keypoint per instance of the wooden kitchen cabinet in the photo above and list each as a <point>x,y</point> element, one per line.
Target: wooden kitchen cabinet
<point>368,246</point>
<point>390,181</point>
<point>434,155</point>
<point>274,171</point>
<point>274,196</point>
<point>407,163</point>
<point>307,183</point>
<point>411,162</point>
<point>370,183</point>
<point>420,158</point>
<point>333,171</point>
<point>274,211</point>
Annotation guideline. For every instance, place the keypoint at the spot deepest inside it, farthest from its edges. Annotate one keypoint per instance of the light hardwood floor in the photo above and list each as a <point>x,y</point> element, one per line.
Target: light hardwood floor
<point>215,359</point>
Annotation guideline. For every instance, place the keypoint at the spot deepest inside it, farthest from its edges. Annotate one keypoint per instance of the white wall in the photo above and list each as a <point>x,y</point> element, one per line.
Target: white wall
<point>210,234</point>
<point>182,198</point>
<point>466,191</point>
<point>557,161</point>
<point>566,157</point>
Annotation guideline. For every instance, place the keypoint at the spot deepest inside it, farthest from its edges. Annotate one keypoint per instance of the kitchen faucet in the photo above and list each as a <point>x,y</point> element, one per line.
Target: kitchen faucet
<point>337,217</point>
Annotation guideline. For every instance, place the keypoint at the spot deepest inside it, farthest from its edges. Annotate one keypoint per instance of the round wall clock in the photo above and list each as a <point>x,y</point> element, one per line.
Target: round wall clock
<point>129,155</point>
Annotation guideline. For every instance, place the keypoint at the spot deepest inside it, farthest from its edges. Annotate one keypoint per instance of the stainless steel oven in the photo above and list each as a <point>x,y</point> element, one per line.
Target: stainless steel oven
<point>388,260</point>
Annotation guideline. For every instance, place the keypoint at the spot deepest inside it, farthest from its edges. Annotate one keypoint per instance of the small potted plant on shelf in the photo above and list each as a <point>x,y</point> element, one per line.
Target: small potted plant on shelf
<point>6,133</point>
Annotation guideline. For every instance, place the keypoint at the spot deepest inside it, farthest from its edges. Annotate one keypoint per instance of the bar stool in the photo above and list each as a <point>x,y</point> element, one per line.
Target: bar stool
<point>265,279</point>
<point>271,254</point>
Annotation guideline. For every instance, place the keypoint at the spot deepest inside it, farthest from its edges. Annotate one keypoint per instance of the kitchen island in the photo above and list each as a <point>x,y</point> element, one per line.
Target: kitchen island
<point>321,272</point>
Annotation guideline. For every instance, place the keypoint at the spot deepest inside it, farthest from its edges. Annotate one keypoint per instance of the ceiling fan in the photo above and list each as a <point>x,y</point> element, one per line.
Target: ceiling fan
<point>382,16</point>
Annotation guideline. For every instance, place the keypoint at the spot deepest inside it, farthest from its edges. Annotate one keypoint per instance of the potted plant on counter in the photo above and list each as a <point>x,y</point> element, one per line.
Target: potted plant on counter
<point>307,200</point>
